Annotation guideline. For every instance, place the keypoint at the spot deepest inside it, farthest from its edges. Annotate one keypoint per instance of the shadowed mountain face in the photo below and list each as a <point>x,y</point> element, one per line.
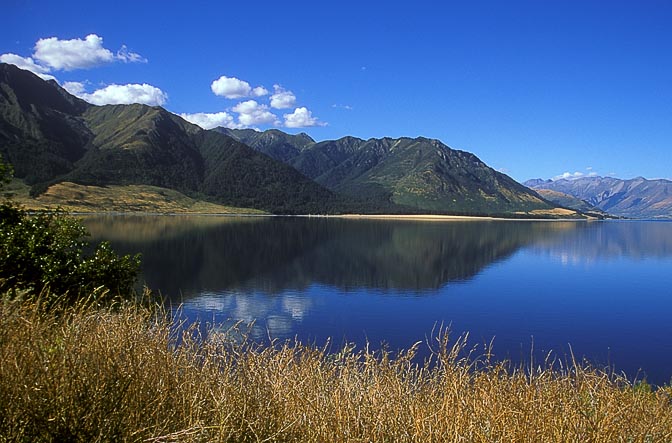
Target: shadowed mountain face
<point>276,144</point>
<point>636,198</point>
<point>417,173</point>
<point>41,132</point>
<point>190,255</point>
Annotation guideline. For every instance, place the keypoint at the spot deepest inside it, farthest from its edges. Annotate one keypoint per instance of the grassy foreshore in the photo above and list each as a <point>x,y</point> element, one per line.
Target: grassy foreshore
<point>88,373</point>
<point>138,199</point>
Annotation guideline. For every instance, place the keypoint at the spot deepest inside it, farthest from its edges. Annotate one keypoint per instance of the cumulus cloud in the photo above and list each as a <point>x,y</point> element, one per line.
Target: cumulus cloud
<point>282,98</point>
<point>301,118</point>
<point>259,91</point>
<point>212,120</point>
<point>73,54</point>
<point>66,55</point>
<point>121,94</point>
<point>232,87</point>
<point>28,64</point>
<point>252,113</point>
<point>75,88</point>
<point>338,106</point>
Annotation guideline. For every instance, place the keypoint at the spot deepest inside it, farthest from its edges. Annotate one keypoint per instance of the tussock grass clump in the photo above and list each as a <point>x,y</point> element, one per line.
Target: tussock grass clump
<point>128,373</point>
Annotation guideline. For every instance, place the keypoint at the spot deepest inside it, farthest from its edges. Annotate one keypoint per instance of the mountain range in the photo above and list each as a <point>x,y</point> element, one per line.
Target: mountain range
<point>50,136</point>
<point>418,173</point>
<point>634,198</point>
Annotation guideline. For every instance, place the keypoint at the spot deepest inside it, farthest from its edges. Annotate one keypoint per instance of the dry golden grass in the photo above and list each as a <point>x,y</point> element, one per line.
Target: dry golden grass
<point>554,211</point>
<point>88,373</point>
<point>74,197</point>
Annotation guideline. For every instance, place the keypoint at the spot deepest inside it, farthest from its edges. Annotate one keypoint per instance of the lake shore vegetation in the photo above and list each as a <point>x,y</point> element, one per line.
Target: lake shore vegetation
<point>126,372</point>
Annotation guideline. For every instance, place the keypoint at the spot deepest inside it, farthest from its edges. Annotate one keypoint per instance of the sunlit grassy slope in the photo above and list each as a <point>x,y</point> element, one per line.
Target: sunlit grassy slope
<point>116,198</point>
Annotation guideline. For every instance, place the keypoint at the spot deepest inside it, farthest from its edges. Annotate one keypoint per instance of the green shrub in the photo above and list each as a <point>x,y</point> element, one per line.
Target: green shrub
<point>46,250</point>
<point>6,172</point>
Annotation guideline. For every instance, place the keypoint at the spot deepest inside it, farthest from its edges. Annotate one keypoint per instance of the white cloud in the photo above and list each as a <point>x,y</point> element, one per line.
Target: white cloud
<point>252,113</point>
<point>259,91</point>
<point>122,94</point>
<point>212,120</point>
<point>75,88</point>
<point>79,54</point>
<point>301,118</point>
<point>569,175</point>
<point>28,64</point>
<point>282,98</point>
<point>126,56</point>
<point>346,107</point>
<point>232,87</point>
<point>53,53</point>
<point>575,175</point>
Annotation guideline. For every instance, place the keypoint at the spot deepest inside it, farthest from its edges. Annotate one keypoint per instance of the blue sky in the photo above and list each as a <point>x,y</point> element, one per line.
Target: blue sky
<point>534,88</point>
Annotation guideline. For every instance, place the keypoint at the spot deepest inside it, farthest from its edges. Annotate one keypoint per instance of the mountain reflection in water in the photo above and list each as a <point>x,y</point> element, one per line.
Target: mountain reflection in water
<point>603,287</point>
<point>188,255</point>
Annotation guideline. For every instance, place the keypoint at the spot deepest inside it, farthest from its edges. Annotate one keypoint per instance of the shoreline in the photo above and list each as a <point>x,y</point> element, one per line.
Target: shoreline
<point>438,218</point>
<point>410,217</point>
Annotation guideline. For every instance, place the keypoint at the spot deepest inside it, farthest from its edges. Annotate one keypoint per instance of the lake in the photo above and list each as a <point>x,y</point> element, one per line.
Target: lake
<point>603,288</point>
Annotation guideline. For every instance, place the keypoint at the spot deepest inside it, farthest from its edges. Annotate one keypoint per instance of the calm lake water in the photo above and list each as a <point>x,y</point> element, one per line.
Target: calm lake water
<point>602,287</point>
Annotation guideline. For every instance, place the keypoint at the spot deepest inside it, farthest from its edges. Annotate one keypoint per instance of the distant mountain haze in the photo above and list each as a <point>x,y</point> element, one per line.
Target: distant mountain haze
<point>569,201</point>
<point>50,136</point>
<point>634,198</point>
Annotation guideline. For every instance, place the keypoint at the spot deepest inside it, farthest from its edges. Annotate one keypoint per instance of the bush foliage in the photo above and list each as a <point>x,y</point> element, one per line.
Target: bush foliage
<point>47,251</point>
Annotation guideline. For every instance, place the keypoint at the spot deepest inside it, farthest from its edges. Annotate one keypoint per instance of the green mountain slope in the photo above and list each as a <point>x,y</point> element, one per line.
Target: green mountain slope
<point>50,136</point>
<point>138,144</point>
<point>421,174</point>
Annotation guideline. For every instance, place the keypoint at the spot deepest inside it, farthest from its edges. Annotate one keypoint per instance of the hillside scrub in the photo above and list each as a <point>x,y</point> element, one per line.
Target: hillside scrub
<point>90,373</point>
